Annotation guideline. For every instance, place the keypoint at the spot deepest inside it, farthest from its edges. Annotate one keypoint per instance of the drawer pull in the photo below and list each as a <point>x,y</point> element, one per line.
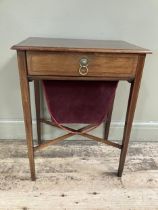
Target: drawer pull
<point>83,70</point>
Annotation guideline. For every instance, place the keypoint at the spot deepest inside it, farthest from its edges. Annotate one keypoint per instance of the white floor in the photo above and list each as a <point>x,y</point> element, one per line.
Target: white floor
<point>79,175</point>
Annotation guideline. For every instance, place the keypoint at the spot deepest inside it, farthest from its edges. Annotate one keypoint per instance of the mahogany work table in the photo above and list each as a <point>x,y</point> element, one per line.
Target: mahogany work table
<point>70,59</point>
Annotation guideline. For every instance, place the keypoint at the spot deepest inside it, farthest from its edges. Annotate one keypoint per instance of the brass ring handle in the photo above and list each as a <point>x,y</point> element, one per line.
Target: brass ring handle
<point>83,70</point>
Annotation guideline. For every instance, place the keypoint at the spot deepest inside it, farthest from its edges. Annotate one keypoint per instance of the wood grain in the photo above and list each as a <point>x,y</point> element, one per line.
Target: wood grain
<point>59,59</point>
<point>134,90</point>
<point>108,121</point>
<point>78,45</point>
<point>38,109</point>
<point>25,94</point>
<point>68,64</point>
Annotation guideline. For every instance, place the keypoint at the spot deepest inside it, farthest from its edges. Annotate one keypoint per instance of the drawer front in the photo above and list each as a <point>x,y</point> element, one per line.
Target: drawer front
<point>81,64</point>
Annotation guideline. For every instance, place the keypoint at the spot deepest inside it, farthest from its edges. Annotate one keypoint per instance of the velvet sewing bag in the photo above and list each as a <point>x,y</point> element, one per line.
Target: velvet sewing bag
<point>79,101</point>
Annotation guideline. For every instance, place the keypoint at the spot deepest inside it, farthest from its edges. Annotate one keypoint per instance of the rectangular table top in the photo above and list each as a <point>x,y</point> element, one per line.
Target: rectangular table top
<point>79,45</point>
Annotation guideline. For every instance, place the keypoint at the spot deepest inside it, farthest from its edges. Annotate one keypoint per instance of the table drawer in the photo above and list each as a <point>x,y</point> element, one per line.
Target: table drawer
<point>81,64</point>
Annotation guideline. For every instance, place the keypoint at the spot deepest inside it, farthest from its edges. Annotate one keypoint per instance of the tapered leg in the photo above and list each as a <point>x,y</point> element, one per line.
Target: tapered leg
<point>25,93</point>
<point>108,122</point>
<point>37,105</point>
<point>130,112</point>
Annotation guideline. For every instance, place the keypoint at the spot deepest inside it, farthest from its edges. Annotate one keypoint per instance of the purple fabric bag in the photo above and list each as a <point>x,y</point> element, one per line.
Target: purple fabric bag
<point>79,101</point>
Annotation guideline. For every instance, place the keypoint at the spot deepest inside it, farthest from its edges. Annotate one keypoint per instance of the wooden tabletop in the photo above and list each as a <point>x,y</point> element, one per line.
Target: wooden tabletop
<point>78,45</point>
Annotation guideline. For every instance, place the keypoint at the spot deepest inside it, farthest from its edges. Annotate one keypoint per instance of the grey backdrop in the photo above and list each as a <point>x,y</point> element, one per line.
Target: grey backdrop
<point>133,21</point>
